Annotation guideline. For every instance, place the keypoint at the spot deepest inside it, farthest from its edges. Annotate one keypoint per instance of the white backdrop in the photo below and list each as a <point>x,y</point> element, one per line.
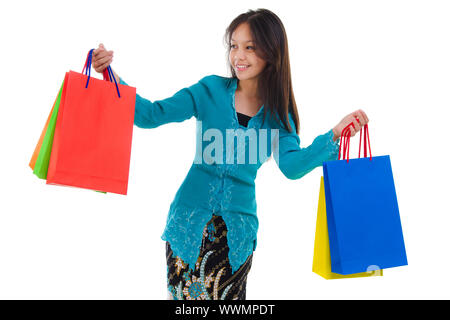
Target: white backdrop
<point>390,58</point>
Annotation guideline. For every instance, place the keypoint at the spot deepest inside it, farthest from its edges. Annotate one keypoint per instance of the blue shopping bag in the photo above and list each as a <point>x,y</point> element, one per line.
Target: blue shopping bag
<point>364,226</point>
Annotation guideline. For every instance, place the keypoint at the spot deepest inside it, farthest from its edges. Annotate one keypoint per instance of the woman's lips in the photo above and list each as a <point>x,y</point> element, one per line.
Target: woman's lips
<point>242,67</point>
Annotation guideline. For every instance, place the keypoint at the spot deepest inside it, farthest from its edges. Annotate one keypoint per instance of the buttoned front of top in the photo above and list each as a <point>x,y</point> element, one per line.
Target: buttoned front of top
<point>221,179</point>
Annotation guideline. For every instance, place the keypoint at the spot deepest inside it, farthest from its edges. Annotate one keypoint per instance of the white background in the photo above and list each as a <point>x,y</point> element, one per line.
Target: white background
<point>390,58</point>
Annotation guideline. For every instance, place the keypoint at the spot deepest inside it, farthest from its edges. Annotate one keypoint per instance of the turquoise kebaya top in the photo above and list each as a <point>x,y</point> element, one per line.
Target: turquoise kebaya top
<point>221,179</point>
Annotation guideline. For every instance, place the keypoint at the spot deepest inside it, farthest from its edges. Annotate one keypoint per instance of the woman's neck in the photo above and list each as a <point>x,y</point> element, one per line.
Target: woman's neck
<point>249,88</point>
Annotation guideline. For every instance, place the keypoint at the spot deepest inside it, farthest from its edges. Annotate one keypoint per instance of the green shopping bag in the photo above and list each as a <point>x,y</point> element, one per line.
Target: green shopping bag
<point>43,159</point>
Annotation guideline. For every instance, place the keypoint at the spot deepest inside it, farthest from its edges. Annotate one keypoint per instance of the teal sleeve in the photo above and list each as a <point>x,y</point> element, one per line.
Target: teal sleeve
<point>181,106</point>
<point>295,162</point>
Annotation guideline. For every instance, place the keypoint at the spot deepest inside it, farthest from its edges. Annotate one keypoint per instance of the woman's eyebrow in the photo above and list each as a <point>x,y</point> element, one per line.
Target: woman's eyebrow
<point>243,41</point>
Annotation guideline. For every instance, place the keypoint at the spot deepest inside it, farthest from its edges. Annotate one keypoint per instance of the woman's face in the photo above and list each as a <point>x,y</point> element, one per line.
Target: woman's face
<point>243,58</point>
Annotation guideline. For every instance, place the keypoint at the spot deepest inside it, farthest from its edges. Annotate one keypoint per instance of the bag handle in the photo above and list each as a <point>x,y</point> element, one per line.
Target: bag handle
<point>107,73</point>
<point>345,142</point>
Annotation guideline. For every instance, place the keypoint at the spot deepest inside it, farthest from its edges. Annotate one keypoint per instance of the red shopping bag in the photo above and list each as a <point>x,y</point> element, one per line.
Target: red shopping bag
<point>93,134</point>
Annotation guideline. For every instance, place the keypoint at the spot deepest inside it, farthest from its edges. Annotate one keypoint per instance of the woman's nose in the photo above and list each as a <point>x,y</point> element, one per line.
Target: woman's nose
<point>239,55</point>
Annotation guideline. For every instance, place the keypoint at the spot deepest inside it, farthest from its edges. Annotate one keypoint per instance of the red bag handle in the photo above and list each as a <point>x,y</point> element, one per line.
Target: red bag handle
<point>345,142</point>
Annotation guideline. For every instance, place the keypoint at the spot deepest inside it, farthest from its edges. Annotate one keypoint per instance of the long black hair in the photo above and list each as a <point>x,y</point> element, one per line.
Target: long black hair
<point>274,82</point>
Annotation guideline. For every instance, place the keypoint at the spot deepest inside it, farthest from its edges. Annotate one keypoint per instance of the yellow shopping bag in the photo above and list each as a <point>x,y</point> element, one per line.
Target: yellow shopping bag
<point>322,260</point>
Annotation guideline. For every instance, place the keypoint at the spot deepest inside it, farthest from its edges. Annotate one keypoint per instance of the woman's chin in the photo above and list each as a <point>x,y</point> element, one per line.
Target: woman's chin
<point>242,77</point>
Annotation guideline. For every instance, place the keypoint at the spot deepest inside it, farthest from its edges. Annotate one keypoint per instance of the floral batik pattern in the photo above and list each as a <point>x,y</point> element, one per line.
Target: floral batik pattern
<point>211,278</point>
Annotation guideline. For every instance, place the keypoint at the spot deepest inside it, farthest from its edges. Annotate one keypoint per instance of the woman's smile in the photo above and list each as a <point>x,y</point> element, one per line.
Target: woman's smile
<point>242,67</point>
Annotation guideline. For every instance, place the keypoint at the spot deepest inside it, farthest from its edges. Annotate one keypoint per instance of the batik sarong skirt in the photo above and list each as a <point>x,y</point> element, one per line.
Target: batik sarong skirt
<point>211,278</point>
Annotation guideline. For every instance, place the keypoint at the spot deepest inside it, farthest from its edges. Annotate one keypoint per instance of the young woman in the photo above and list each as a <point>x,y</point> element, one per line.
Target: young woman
<point>212,224</point>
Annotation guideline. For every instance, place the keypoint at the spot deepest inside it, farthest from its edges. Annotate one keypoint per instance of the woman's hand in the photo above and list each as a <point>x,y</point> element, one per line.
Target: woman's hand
<point>353,117</point>
<point>101,58</point>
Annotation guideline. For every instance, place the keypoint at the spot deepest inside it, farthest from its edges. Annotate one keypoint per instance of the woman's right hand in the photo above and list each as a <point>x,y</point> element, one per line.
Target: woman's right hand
<point>101,58</point>
<point>359,120</point>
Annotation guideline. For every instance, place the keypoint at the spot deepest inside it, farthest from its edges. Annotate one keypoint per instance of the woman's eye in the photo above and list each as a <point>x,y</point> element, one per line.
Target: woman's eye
<point>233,46</point>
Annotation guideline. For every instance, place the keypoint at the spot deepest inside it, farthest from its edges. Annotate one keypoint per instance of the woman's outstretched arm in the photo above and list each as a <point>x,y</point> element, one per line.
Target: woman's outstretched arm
<point>295,162</point>
<point>181,106</point>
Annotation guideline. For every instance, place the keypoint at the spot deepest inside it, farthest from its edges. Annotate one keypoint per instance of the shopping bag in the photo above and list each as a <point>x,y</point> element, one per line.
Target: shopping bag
<point>363,217</point>
<point>37,149</point>
<point>42,161</point>
<point>92,140</point>
<point>321,259</point>
<point>33,159</point>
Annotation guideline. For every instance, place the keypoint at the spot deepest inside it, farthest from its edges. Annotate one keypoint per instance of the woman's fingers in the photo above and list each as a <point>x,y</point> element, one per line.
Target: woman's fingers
<point>102,55</point>
<point>351,130</point>
<point>105,65</point>
<point>362,116</point>
<point>101,52</point>
<point>98,52</point>
<point>357,116</point>
<point>101,67</point>
<point>365,116</point>
<point>101,47</point>
<point>355,121</point>
<point>357,125</point>
<point>103,60</point>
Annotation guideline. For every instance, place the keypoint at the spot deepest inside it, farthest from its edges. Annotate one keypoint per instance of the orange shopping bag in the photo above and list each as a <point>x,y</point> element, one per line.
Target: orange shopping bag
<point>92,141</point>
<point>41,139</point>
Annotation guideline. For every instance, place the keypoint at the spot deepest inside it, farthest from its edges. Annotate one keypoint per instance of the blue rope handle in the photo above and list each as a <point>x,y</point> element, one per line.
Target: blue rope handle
<point>111,76</point>
<point>88,71</point>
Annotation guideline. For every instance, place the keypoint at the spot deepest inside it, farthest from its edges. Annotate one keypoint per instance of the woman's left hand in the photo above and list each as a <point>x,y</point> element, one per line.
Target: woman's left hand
<point>351,118</point>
